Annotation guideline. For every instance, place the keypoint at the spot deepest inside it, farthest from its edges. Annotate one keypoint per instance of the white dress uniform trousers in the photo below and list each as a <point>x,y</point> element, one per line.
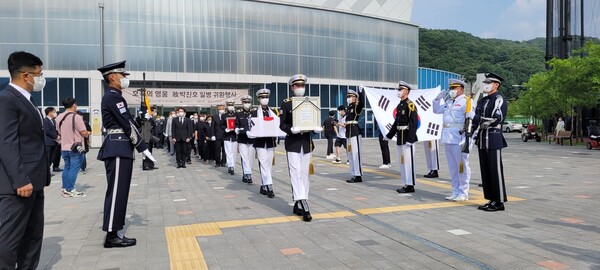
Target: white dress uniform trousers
<point>432,155</point>
<point>247,155</point>
<point>230,152</point>
<point>298,164</point>
<point>265,162</point>
<point>458,167</point>
<point>355,155</point>
<point>406,154</point>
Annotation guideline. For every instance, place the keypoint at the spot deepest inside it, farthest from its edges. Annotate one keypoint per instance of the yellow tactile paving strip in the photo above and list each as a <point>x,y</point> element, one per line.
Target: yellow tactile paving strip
<point>185,252</point>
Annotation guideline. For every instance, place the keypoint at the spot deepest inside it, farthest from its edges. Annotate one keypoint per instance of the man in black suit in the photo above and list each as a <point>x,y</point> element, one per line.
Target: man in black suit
<point>183,132</point>
<point>218,132</point>
<point>25,170</point>
<point>51,137</point>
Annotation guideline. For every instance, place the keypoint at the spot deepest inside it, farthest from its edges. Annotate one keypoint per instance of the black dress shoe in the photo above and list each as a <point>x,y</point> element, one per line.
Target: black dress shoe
<point>183,166</point>
<point>116,241</point>
<point>493,207</point>
<point>147,169</point>
<point>263,191</point>
<point>306,216</point>
<point>355,179</point>
<point>57,169</point>
<point>154,168</point>
<point>245,180</point>
<point>297,211</point>
<point>270,194</point>
<point>432,174</point>
<point>406,189</point>
<point>178,165</point>
<point>486,205</point>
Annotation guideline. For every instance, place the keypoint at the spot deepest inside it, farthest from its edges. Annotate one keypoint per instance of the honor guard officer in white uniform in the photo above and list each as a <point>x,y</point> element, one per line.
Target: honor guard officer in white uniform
<point>405,129</point>
<point>354,134</point>
<point>265,146</point>
<point>229,137</point>
<point>488,116</point>
<point>117,152</point>
<point>242,121</point>
<point>299,146</point>
<point>432,157</point>
<point>452,136</point>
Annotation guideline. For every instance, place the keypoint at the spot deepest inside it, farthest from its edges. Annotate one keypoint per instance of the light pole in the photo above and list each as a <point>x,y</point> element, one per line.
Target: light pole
<point>101,7</point>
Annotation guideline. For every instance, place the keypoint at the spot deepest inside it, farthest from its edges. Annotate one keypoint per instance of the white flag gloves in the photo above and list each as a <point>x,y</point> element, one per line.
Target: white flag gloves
<point>440,96</point>
<point>237,131</point>
<point>149,155</point>
<point>213,138</point>
<point>227,130</point>
<point>148,116</point>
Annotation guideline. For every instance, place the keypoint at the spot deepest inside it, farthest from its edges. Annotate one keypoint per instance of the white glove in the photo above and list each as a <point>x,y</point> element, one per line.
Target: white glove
<point>213,138</point>
<point>361,88</point>
<point>295,130</point>
<point>318,129</point>
<point>165,134</point>
<point>470,114</point>
<point>439,96</point>
<point>385,138</point>
<point>237,131</point>
<point>149,155</point>
<point>227,130</point>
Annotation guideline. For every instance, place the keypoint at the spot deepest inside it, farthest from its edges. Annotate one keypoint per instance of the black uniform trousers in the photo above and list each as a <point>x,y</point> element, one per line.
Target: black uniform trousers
<point>492,175</point>
<point>54,157</point>
<point>181,148</point>
<point>385,150</point>
<point>118,177</point>
<point>220,156</point>
<point>21,230</point>
<point>201,148</point>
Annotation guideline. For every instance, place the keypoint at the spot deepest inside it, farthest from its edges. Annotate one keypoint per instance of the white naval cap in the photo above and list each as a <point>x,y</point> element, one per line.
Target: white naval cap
<point>298,78</point>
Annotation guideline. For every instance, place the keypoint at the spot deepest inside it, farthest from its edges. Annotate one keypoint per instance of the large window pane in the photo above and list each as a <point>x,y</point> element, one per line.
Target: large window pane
<point>82,92</point>
<point>65,89</point>
<point>50,92</point>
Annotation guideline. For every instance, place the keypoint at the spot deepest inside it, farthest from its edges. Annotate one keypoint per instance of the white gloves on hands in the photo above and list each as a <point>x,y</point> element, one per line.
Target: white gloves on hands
<point>148,116</point>
<point>318,129</point>
<point>148,155</point>
<point>385,138</point>
<point>470,114</point>
<point>227,130</point>
<point>295,130</point>
<point>440,96</point>
<point>237,131</point>
<point>361,88</point>
<point>213,138</point>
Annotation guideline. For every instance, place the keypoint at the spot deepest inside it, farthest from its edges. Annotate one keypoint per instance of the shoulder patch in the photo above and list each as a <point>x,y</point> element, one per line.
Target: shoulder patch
<point>121,105</point>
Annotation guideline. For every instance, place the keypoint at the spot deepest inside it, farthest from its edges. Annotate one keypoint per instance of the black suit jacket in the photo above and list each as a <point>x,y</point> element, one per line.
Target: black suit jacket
<point>23,158</point>
<point>294,142</point>
<point>50,132</point>
<point>216,126</point>
<point>182,132</point>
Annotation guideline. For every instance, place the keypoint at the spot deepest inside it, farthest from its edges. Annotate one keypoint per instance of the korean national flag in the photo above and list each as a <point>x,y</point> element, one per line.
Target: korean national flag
<point>384,102</point>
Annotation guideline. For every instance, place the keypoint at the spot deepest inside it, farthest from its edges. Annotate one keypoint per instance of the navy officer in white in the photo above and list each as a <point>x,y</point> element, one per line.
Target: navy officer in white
<point>454,111</point>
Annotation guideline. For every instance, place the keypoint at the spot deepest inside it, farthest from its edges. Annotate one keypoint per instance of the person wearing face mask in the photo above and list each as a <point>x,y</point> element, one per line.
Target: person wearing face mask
<point>210,139</point>
<point>183,132</point>
<point>217,137</point>
<point>25,170</point>
<point>200,135</point>
<point>488,116</point>
<point>192,145</point>
<point>265,146</point>
<point>356,103</point>
<point>242,125</point>
<point>229,136</point>
<point>117,152</point>
<point>298,146</point>
<point>454,111</point>
<point>51,137</point>
<point>405,130</point>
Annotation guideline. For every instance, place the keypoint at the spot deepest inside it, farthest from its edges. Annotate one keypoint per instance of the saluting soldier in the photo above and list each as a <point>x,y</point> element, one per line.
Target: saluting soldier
<point>265,146</point>
<point>488,116</point>
<point>229,137</point>
<point>117,152</point>
<point>454,117</point>
<point>298,145</point>
<point>354,133</point>
<point>405,129</point>
<point>245,144</point>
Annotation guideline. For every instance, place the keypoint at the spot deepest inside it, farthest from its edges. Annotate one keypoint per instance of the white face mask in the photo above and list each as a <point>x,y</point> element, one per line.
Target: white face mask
<point>401,93</point>
<point>38,83</point>
<point>202,119</point>
<point>246,106</point>
<point>230,108</point>
<point>264,101</point>
<point>349,100</point>
<point>299,91</point>
<point>221,111</point>
<point>124,83</point>
<point>487,88</point>
<point>452,93</point>
<point>181,114</point>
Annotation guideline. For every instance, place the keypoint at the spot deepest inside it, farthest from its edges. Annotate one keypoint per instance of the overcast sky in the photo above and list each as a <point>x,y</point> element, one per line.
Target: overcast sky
<point>505,19</point>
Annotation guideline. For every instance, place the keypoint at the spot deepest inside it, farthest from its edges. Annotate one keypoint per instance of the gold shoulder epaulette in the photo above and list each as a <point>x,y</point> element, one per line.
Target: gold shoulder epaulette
<point>411,106</point>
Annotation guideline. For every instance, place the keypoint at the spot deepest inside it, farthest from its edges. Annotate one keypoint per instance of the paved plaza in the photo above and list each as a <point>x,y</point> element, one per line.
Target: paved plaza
<point>201,217</point>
